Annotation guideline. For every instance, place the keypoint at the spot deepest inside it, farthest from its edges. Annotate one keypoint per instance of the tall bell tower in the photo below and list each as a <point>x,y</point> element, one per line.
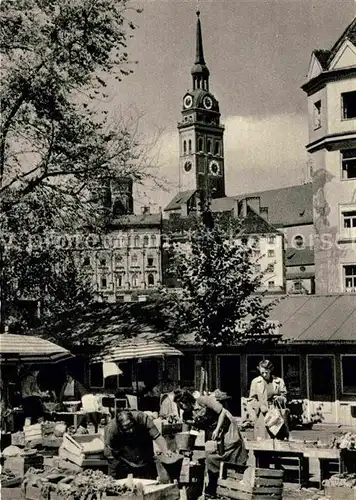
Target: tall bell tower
<point>201,136</point>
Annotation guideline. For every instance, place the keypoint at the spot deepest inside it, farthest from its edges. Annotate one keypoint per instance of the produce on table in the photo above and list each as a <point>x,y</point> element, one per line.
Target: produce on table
<point>83,485</point>
<point>345,480</point>
<point>347,441</point>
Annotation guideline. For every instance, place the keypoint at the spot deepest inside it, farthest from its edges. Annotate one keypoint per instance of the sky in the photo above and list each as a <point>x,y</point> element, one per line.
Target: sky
<point>258,52</point>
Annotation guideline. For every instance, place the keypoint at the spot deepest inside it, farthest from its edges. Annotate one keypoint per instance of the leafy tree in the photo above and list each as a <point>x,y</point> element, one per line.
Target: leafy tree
<point>217,302</point>
<point>58,152</point>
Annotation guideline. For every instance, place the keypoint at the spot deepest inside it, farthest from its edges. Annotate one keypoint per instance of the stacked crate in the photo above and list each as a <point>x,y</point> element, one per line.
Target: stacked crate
<point>250,483</point>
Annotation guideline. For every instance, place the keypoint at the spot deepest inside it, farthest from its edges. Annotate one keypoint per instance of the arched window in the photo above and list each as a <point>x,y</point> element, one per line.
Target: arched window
<point>185,147</point>
<point>190,145</point>
<point>134,280</point>
<point>134,259</point>
<point>150,279</point>
<point>208,146</point>
<point>145,241</point>
<point>137,241</point>
<point>119,281</point>
<point>200,144</point>
<point>217,148</point>
<point>153,240</point>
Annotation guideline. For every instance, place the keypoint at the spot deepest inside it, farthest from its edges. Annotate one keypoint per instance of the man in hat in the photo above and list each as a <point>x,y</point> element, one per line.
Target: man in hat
<point>129,445</point>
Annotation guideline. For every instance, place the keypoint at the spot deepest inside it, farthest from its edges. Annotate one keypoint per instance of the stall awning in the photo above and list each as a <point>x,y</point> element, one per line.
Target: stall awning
<point>28,349</point>
<point>137,349</point>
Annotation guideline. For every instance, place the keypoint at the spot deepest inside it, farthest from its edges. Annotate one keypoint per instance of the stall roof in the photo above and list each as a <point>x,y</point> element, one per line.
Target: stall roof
<point>317,318</point>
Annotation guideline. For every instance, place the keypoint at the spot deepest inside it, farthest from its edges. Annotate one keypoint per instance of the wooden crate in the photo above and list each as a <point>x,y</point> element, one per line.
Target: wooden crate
<point>340,493</point>
<point>250,483</point>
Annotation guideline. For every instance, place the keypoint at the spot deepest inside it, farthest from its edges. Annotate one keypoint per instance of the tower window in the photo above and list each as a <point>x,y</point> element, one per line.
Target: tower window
<point>150,261</point>
<point>348,105</point>
<point>103,283</point>
<point>208,146</point>
<point>217,148</point>
<point>145,241</point>
<point>348,161</point>
<point>200,144</point>
<point>190,146</point>
<point>150,279</point>
<point>317,115</point>
<point>153,240</point>
<point>185,147</point>
<point>137,241</point>
<point>119,281</point>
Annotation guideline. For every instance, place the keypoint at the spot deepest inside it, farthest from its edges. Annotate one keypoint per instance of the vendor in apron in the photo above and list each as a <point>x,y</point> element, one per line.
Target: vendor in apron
<point>72,390</point>
<point>129,445</point>
<point>209,414</point>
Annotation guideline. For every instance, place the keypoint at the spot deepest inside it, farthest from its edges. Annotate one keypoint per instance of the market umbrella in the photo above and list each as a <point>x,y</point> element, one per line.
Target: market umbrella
<point>28,349</point>
<point>137,349</point>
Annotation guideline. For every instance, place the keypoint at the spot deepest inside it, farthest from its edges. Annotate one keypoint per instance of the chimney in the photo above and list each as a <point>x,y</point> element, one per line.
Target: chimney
<point>254,202</point>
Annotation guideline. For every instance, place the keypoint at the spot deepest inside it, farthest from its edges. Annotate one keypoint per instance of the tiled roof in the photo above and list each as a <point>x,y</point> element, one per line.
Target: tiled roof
<point>323,57</point>
<point>255,224</point>
<point>348,34</point>
<point>317,318</point>
<point>289,206</point>
<point>143,220</point>
<point>299,256</point>
<point>179,199</point>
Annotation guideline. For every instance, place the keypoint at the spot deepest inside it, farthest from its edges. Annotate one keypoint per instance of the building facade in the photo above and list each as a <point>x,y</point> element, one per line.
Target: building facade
<point>331,91</point>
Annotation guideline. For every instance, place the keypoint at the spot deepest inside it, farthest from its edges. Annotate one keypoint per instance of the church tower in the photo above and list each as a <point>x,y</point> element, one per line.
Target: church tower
<point>201,147</point>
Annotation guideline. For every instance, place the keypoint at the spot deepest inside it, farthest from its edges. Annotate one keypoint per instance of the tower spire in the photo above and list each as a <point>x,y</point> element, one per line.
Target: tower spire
<point>199,59</point>
<point>200,72</point>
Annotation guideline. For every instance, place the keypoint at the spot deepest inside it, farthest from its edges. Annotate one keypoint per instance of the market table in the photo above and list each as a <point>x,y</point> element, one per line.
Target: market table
<point>78,416</point>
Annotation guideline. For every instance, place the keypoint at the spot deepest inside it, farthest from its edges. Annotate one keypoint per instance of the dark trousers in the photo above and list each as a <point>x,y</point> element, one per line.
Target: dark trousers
<point>33,408</point>
<point>120,470</point>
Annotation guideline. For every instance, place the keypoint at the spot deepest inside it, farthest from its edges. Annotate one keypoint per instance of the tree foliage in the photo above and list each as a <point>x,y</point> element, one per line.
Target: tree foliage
<point>217,302</point>
<point>58,152</point>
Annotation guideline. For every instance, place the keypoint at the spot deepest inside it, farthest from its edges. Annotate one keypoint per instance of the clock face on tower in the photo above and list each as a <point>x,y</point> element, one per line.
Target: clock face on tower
<point>214,167</point>
<point>188,166</point>
<point>207,102</point>
<point>188,101</point>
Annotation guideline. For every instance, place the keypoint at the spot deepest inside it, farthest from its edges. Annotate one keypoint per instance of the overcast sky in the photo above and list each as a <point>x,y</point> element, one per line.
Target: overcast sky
<point>258,53</point>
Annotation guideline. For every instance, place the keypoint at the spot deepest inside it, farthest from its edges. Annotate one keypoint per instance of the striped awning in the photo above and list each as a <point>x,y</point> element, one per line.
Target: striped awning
<point>27,349</point>
<point>137,349</point>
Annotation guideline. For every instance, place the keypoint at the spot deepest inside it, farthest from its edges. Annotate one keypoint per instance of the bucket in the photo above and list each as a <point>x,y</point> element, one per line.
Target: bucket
<point>169,467</point>
<point>185,441</point>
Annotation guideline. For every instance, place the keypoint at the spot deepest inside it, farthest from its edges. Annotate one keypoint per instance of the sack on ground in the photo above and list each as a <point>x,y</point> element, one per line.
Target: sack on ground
<point>232,437</point>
